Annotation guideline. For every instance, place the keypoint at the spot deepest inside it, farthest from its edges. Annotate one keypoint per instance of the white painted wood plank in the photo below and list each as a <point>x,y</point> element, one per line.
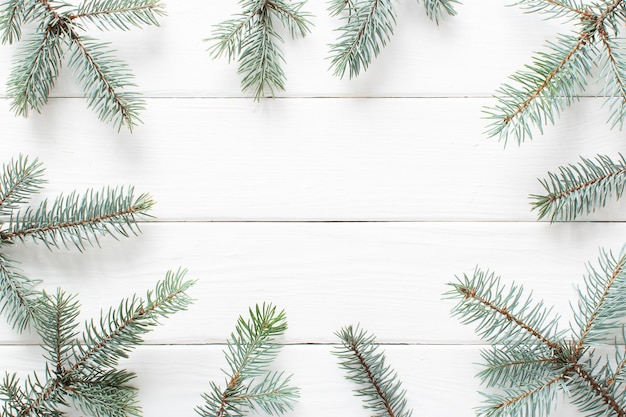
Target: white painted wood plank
<point>439,379</point>
<point>469,54</point>
<point>312,159</point>
<point>388,276</point>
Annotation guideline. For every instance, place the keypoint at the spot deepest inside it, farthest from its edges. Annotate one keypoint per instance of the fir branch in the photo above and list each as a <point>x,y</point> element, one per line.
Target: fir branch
<point>504,314</point>
<point>20,179</point>
<point>553,80</point>
<point>438,9</point>
<point>580,188</point>
<point>365,31</point>
<point>80,220</point>
<point>36,69</point>
<point>103,78</point>
<point>19,301</point>
<point>543,90</point>
<point>366,365</point>
<point>12,15</point>
<point>85,373</point>
<point>249,383</point>
<point>602,301</point>
<point>250,37</point>
<point>530,376</point>
<point>120,14</point>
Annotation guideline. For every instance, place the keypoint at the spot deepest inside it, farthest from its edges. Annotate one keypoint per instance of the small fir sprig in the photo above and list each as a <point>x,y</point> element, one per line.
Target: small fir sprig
<point>58,34</point>
<point>368,26</point>
<point>75,220</point>
<point>250,384</point>
<point>82,369</point>
<point>581,188</point>
<point>540,92</point>
<point>250,38</point>
<point>365,364</point>
<point>532,362</point>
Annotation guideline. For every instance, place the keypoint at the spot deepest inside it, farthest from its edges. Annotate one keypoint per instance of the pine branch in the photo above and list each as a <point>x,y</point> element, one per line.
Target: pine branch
<point>543,90</point>
<point>20,301</point>
<point>19,180</point>
<point>438,9</point>
<point>580,188</point>
<point>85,373</point>
<point>250,37</point>
<point>120,14</point>
<point>36,69</point>
<point>366,365</point>
<point>80,220</point>
<point>602,302</point>
<point>249,383</point>
<point>553,80</point>
<point>504,314</point>
<point>103,78</point>
<point>530,375</point>
<point>365,32</point>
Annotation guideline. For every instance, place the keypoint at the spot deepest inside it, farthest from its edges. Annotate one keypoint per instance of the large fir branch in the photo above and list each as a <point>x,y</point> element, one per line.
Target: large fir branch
<point>614,75</point>
<point>504,315</point>
<point>101,388</point>
<point>438,9</point>
<point>523,364</point>
<point>36,69</point>
<point>251,349</point>
<point>80,220</point>
<point>103,79</point>
<point>19,179</point>
<point>365,364</point>
<point>365,31</point>
<point>590,396</point>
<point>120,14</point>
<point>580,188</point>
<point>524,401</point>
<point>543,90</point>
<point>602,301</point>
<point>19,301</point>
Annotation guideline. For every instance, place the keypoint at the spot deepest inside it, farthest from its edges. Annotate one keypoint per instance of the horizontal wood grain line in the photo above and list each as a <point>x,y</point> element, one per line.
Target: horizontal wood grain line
<point>417,160</point>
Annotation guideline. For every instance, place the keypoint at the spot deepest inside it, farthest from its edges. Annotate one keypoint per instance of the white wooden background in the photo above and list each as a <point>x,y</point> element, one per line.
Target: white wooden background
<point>342,201</point>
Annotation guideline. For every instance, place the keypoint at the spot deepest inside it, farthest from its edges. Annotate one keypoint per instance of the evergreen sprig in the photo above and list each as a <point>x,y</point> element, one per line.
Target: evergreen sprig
<point>580,188</point>
<point>75,220</point>
<point>250,38</point>
<point>368,26</point>
<point>366,365</point>
<point>59,27</point>
<point>82,369</point>
<point>541,91</point>
<point>532,362</point>
<point>250,384</point>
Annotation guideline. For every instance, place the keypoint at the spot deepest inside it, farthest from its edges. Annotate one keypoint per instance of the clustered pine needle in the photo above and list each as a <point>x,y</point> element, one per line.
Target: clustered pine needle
<point>365,364</point>
<point>82,369</point>
<point>557,75</point>
<point>251,38</point>
<point>532,361</point>
<point>73,220</point>
<point>368,26</point>
<point>58,34</point>
<point>250,384</point>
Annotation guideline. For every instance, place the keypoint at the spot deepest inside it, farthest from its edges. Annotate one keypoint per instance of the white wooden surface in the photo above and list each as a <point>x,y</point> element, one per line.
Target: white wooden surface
<point>343,201</point>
